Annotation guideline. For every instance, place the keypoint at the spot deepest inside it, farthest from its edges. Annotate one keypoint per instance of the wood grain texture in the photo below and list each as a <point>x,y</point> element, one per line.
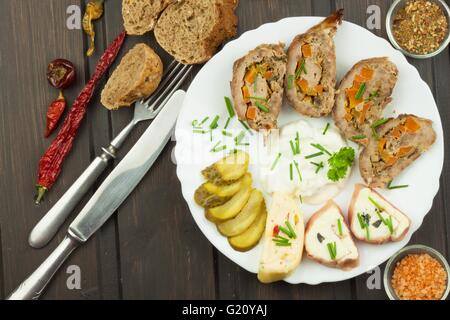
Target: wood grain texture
<point>152,248</point>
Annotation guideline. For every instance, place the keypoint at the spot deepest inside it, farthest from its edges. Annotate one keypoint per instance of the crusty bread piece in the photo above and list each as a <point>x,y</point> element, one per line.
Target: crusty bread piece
<point>265,59</point>
<point>395,148</point>
<point>192,30</point>
<point>316,70</point>
<point>366,209</point>
<point>276,261</point>
<point>140,16</point>
<point>355,117</point>
<point>137,76</point>
<point>325,228</point>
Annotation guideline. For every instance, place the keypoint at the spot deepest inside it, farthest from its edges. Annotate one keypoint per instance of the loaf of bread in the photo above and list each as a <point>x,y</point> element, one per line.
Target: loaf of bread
<point>140,16</point>
<point>137,76</point>
<point>192,30</point>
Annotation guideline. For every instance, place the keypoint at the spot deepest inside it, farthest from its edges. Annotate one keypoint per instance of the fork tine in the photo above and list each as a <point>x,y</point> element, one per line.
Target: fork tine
<point>173,86</point>
<point>166,75</point>
<point>170,75</point>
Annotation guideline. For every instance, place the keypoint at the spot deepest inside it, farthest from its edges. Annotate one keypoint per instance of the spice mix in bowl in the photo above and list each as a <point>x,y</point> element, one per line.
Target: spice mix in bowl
<point>419,28</point>
<point>417,273</point>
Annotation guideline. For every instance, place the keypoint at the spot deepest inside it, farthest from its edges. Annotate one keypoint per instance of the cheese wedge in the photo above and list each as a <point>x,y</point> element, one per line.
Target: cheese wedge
<point>373,219</point>
<point>280,257</point>
<point>328,239</point>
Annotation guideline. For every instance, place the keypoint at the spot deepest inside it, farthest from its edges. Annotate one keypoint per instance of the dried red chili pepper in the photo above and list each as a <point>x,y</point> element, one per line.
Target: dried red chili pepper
<point>61,73</point>
<point>54,113</point>
<point>51,162</point>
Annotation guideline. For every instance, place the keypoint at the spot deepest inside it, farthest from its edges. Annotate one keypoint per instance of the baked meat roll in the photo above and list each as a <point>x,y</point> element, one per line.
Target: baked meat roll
<point>257,85</point>
<point>362,96</point>
<point>393,147</point>
<point>311,69</point>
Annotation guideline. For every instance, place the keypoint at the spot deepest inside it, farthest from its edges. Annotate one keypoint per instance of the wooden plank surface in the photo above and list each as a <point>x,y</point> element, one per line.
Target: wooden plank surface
<point>152,249</point>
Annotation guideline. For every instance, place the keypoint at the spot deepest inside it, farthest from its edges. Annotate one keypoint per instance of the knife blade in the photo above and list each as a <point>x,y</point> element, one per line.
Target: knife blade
<point>108,197</point>
<point>127,174</point>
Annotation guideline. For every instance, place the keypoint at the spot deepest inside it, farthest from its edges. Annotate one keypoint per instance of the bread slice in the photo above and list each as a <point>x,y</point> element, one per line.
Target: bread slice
<point>373,219</point>
<point>362,95</point>
<point>397,144</point>
<point>278,261</point>
<point>140,16</point>
<point>192,30</point>
<point>326,231</point>
<point>137,76</point>
<point>259,74</point>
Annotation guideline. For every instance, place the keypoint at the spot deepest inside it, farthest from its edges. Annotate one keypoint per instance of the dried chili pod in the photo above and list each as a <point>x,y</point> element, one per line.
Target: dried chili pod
<point>94,11</point>
<point>54,113</point>
<point>61,73</point>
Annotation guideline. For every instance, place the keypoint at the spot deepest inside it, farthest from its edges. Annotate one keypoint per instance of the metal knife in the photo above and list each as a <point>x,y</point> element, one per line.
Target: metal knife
<point>109,196</point>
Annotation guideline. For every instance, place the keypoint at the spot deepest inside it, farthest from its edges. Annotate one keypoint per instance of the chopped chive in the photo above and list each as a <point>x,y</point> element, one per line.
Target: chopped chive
<point>204,120</point>
<point>258,98</point>
<point>220,148</point>
<point>332,250</point>
<point>239,137</point>
<point>391,187</point>
<point>373,95</point>
<point>294,150</point>
<point>298,170</point>
<point>195,123</point>
<point>376,124</point>
<point>227,123</point>
<point>361,90</point>
<point>210,135</point>
<point>321,148</point>
<point>286,232</point>
<point>359,137</point>
<point>214,124</point>
<point>301,68</point>
<point>246,127</point>
<point>226,134</point>
<point>376,204</point>
<point>215,146</point>
<point>243,144</point>
<point>290,171</point>
<point>290,82</point>
<point>326,128</point>
<point>275,161</point>
<point>389,225</point>
<point>297,142</point>
<point>291,230</point>
<point>283,244</point>
<point>362,224</point>
<point>300,197</point>
<point>318,166</point>
<point>229,105</point>
<point>199,131</point>
<point>314,155</point>
<point>280,238</point>
<point>339,224</point>
<point>262,107</point>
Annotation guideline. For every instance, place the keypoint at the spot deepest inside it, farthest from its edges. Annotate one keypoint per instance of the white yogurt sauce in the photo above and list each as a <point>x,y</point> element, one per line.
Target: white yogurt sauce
<point>314,188</point>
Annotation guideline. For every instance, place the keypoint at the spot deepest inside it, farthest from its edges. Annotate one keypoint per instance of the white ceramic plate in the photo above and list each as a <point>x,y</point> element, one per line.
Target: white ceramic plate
<point>353,43</point>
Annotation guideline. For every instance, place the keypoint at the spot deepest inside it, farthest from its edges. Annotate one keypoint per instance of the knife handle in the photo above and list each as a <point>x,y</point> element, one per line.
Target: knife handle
<point>49,225</point>
<point>34,285</point>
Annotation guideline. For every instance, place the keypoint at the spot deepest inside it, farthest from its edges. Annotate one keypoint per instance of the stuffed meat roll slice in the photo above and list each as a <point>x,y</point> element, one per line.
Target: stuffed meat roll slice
<point>257,85</point>
<point>311,69</point>
<point>396,145</point>
<point>362,96</point>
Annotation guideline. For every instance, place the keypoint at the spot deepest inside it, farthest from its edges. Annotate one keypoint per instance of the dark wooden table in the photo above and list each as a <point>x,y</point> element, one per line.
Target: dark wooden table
<point>152,248</point>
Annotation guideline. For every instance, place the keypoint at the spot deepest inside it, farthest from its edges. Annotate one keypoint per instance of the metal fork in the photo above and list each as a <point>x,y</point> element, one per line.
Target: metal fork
<point>146,109</point>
